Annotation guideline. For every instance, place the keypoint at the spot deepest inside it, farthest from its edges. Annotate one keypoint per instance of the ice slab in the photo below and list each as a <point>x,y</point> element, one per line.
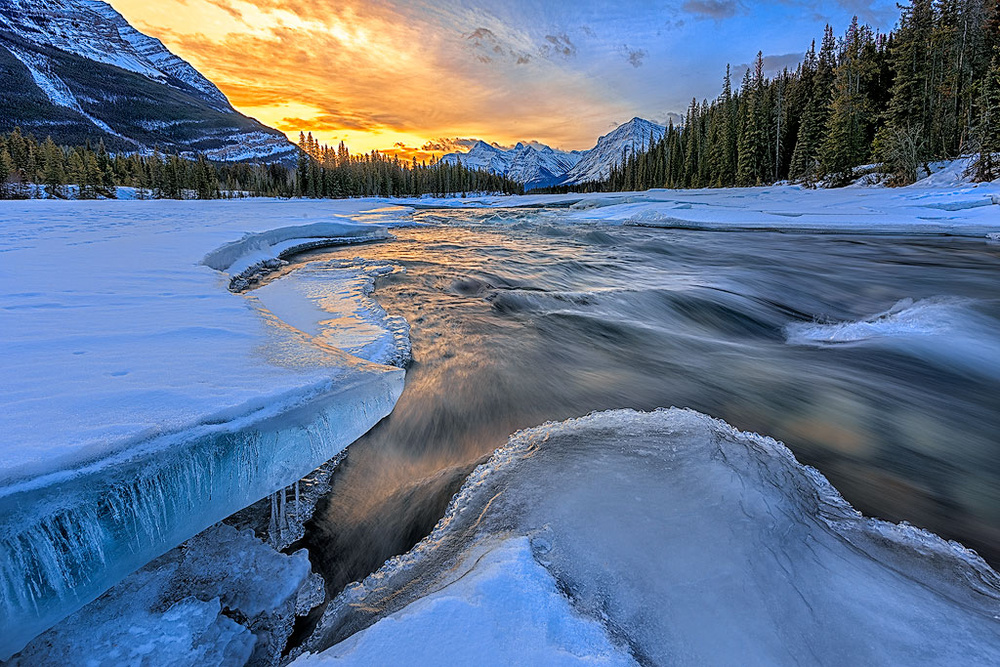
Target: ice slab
<point>691,543</point>
<point>143,401</point>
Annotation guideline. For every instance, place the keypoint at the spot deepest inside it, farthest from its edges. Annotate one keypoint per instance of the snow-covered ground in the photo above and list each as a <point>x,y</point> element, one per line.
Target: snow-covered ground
<point>944,203</point>
<point>144,401</point>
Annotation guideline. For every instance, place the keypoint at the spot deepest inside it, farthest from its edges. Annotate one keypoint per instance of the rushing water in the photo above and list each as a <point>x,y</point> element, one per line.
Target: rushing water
<point>875,359</point>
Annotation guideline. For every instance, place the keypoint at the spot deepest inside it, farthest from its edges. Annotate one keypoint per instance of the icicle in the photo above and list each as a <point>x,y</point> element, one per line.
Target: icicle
<point>298,516</point>
<point>282,516</point>
<point>272,530</point>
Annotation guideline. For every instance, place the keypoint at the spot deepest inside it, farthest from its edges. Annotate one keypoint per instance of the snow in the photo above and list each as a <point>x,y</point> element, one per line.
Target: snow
<point>143,401</point>
<point>966,209</point>
<point>507,611</point>
<point>689,542</point>
<point>611,150</point>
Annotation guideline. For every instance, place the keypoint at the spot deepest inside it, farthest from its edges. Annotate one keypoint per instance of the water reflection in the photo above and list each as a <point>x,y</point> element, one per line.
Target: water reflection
<point>517,321</point>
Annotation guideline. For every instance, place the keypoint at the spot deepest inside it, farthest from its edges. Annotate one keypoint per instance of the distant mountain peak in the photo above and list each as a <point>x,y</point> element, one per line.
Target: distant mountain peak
<point>537,165</point>
<point>533,164</point>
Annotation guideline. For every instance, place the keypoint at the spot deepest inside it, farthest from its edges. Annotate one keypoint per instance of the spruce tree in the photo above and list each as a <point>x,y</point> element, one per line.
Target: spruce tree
<point>986,166</point>
<point>846,142</point>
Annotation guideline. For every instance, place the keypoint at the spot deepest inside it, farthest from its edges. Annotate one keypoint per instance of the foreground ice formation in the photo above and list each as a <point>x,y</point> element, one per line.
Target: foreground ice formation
<point>688,541</point>
<point>222,599</point>
<point>143,400</point>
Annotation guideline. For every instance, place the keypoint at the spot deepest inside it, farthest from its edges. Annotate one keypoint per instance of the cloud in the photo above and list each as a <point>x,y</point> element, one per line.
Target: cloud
<point>488,47</point>
<point>773,65</point>
<point>635,57</point>
<point>711,9</point>
<point>559,44</point>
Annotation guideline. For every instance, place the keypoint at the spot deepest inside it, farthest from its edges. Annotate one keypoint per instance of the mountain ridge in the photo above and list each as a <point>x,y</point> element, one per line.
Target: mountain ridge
<point>538,165</point>
<point>76,70</point>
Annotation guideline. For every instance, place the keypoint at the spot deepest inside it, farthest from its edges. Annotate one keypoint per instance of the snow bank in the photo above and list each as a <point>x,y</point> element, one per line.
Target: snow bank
<point>143,401</point>
<point>941,204</point>
<point>690,543</point>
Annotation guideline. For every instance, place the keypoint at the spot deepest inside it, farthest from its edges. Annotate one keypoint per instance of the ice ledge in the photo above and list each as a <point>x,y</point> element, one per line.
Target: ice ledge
<point>64,545</point>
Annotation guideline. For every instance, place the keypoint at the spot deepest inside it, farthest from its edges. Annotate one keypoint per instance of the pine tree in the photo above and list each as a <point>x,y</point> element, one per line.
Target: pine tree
<point>53,175</point>
<point>6,171</point>
<point>847,141</point>
<point>987,163</point>
<point>805,158</point>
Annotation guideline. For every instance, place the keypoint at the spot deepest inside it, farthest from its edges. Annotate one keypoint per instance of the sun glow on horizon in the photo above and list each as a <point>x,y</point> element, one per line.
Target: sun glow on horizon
<point>424,77</point>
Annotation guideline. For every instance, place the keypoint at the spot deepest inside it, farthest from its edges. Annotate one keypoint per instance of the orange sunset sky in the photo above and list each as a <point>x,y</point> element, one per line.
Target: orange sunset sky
<point>423,77</point>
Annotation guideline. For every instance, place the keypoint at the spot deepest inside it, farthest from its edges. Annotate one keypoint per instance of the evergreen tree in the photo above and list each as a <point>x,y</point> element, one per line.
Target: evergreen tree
<point>847,141</point>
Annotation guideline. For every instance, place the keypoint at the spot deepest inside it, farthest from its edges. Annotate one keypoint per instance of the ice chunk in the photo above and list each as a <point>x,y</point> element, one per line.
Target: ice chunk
<point>504,610</point>
<point>693,543</point>
<point>171,612</point>
<point>331,301</point>
<point>946,330</point>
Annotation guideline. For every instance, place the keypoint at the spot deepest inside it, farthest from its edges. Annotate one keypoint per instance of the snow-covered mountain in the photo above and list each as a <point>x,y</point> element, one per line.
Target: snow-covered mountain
<point>538,166</point>
<point>535,165</point>
<point>626,139</point>
<point>76,70</point>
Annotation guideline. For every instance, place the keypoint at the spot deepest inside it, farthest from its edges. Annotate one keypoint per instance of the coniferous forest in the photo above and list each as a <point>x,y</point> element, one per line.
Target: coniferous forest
<point>885,104</point>
<point>29,168</point>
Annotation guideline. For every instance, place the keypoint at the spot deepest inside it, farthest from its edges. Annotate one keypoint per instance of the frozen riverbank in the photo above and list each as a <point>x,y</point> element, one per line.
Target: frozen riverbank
<point>136,378</point>
<point>143,401</point>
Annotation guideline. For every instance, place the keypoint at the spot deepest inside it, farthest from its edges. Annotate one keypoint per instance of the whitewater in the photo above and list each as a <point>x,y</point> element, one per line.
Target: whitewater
<point>164,367</point>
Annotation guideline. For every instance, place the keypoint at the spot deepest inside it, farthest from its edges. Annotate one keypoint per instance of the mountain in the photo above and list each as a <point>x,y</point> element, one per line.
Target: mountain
<point>535,165</point>
<point>76,70</point>
<point>538,166</point>
<point>611,149</point>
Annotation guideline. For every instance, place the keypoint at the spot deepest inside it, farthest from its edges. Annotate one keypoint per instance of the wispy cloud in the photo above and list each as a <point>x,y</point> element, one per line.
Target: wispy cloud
<point>401,74</point>
<point>712,9</point>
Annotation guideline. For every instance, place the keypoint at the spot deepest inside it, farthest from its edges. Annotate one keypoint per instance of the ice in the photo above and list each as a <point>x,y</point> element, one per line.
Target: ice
<point>691,543</point>
<point>331,301</point>
<point>946,330</point>
<point>222,598</point>
<point>144,401</point>
<point>506,611</point>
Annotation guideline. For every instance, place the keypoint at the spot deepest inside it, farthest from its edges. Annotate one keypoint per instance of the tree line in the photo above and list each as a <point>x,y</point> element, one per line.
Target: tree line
<point>324,171</point>
<point>30,169</point>
<point>868,102</point>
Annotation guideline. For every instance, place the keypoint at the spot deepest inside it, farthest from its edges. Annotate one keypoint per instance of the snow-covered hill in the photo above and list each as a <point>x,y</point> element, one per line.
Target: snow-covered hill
<point>535,165</point>
<point>626,139</point>
<point>76,70</point>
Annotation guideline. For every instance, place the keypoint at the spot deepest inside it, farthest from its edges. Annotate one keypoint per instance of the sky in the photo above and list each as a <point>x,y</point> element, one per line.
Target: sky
<point>423,77</point>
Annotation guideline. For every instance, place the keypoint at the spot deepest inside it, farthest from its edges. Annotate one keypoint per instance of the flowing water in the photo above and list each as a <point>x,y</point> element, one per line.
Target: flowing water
<point>875,359</point>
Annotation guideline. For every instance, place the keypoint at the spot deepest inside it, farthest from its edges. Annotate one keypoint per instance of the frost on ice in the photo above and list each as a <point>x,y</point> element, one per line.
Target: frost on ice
<point>144,401</point>
<point>689,542</point>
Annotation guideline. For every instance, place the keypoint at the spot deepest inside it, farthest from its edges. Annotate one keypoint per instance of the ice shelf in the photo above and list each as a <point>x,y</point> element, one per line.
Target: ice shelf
<point>143,400</point>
